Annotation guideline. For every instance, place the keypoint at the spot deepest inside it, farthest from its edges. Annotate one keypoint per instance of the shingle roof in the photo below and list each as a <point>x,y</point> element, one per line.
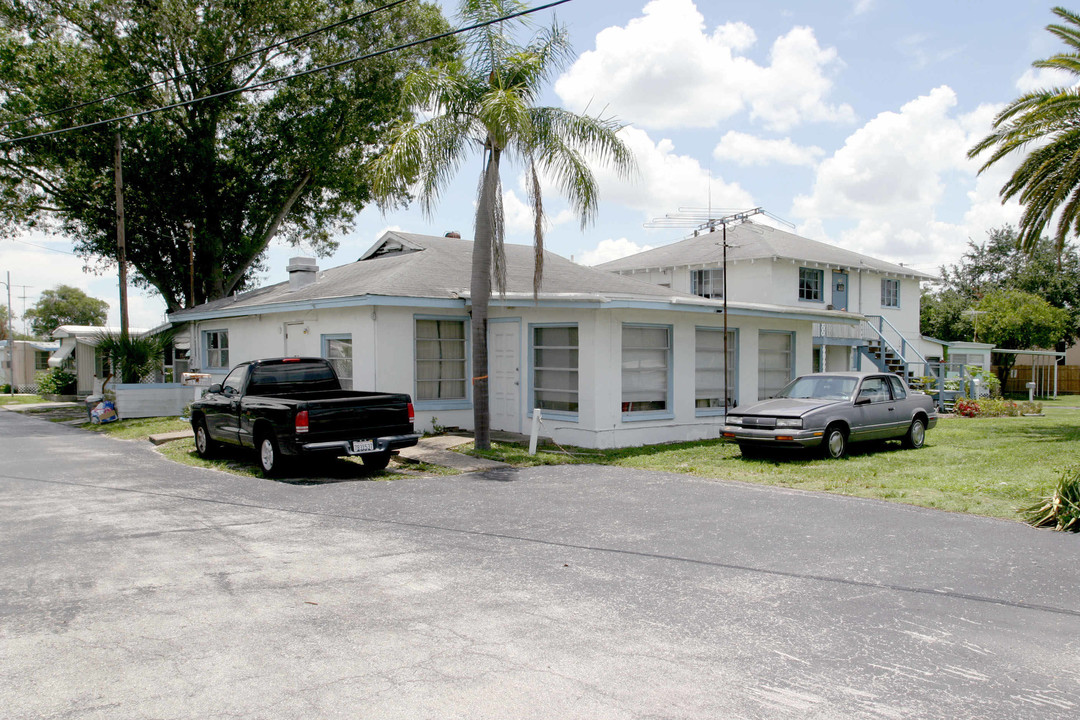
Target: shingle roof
<point>441,268</point>
<point>750,241</point>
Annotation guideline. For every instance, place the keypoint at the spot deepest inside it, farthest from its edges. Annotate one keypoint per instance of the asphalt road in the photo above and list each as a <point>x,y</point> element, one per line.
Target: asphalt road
<point>131,587</point>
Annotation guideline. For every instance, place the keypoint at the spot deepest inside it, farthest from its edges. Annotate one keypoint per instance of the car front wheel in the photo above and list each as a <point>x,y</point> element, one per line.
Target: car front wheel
<point>203,444</point>
<point>834,444</point>
<point>916,434</point>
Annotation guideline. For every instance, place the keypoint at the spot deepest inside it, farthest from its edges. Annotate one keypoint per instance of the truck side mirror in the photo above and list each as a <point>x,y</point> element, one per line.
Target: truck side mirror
<point>215,388</point>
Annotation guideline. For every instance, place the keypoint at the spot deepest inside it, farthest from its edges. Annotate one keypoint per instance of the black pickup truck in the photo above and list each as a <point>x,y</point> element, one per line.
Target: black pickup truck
<point>289,407</point>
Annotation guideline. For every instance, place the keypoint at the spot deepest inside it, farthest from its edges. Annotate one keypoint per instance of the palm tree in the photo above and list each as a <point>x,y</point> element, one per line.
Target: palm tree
<point>1048,179</point>
<point>486,104</point>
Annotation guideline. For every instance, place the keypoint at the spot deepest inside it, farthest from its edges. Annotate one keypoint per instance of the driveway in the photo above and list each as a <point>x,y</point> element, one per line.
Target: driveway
<point>133,587</point>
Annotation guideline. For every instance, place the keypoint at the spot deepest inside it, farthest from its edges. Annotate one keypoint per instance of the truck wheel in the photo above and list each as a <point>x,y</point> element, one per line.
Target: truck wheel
<point>377,461</point>
<point>205,446</point>
<point>916,434</point>
<point>270,460</point>
<point>834,444</point>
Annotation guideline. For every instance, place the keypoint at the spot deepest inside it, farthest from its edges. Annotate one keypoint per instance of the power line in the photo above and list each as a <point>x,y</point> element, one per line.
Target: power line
<point>43,247</point>
<point>181,76</point>
<point>304,73</point>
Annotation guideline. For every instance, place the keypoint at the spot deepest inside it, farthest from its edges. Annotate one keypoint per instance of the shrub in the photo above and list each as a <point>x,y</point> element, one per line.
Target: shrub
<point>133,356</point>
<point>57,381</point>
<point>987,379</point>
<point>997,407</point>
<point>965,407</point>
<point>1061,509</point>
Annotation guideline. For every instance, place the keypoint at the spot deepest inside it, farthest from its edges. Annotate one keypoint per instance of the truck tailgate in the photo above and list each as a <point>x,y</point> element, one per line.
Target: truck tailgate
<point>356,418</point>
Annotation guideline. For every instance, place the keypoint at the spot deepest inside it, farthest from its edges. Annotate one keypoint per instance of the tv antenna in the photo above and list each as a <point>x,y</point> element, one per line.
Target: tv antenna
<point>704,221</point>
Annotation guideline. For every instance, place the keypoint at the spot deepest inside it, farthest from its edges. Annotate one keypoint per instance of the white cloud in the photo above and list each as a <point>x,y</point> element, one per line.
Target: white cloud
<point>666,180</point>
<point>518,215</point>
<point>1035,79</point>
<point>893,177</point>
<point>862,6</point>
<point>664,70</point>
<point>743,149</point>
<point>608,250</point>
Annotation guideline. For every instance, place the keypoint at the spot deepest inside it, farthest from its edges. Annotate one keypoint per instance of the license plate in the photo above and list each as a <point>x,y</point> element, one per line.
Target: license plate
<point>362,446</point>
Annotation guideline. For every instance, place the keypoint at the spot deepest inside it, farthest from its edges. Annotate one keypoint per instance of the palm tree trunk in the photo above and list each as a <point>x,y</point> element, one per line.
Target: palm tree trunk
<point>483,236</point>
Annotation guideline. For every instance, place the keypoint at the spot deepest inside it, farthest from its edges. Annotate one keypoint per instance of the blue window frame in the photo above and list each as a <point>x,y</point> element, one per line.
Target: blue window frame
<point>710,367</point>
<point>216,349</point>
<point>646,372</point>
<point>441,362</point>
<point>811,282</point>
<point>338,350</point>
<point>890,293</point>
<point>554,352</point>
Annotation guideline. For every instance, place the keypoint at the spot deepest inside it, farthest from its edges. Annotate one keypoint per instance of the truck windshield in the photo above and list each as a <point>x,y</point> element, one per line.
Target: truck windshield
<point>292,378</point>
<point>823,387</point>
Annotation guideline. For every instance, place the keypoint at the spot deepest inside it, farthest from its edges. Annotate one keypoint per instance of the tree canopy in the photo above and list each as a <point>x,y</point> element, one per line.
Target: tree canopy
<point>1044,127</point>
<point>1016,320</point>
<point>65,305</point>
<point>288,161</point>
<point>486,104</point>
<point>998,264</point>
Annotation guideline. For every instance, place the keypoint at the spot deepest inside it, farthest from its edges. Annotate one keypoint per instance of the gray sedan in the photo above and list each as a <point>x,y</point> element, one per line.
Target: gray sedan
<point>829,410</point>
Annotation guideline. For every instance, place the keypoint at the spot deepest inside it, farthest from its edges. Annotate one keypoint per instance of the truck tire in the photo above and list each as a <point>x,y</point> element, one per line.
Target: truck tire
<point>204,445</point>
<point>377,461</point>
<point>268,455</point>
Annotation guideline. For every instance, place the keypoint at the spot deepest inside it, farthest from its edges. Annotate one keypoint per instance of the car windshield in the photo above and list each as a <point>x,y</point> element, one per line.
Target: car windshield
<point>821,387</point>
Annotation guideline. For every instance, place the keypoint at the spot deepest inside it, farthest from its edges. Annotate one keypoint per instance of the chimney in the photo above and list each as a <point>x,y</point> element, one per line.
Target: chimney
<point>302,272</point>
<point>453,234</point>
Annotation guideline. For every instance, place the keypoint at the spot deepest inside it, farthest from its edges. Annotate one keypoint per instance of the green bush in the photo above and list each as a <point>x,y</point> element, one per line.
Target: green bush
<point>1061,509</point>
<point>987,379</point>
<point>57,381</point>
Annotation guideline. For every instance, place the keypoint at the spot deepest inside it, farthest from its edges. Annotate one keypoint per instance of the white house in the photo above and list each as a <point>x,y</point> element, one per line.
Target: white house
<point>78,352</point>
<point>611,360</point>
<point>31,358</point>
<point>767,265</point>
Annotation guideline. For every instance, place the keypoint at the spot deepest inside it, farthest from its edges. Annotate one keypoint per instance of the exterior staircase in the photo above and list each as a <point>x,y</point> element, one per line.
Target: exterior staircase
<point>886,359</point>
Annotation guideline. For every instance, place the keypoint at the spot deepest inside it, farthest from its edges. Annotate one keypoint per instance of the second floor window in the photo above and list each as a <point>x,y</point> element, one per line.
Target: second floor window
<point>810,282</point>
<point>890,293</point>
<point>707,283</point>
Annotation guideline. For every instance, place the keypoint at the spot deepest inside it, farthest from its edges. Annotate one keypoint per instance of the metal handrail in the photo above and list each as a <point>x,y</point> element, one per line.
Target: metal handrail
<point>904,344</point>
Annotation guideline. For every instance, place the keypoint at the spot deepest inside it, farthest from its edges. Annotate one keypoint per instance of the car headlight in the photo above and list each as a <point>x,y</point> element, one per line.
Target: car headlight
<point>789,422</point>
<point>733,420</point>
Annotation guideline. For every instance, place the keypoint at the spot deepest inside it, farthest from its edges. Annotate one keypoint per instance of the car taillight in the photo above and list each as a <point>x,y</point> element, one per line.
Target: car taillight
<point>302,421</point>
<point>412,413</point>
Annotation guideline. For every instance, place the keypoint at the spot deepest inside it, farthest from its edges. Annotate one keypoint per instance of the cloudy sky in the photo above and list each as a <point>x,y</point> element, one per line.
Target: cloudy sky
<point>849,119</point>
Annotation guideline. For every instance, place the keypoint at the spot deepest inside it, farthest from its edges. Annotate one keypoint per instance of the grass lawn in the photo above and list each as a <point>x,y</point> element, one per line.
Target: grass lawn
<point>21,399</point>
<point>982,466</point>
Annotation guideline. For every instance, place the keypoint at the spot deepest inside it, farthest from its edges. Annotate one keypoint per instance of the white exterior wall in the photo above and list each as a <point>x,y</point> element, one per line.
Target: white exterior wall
<point>383,359</point>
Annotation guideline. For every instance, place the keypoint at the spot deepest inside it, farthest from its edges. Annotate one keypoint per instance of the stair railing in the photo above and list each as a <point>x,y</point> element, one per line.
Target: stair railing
<point>879,330</point>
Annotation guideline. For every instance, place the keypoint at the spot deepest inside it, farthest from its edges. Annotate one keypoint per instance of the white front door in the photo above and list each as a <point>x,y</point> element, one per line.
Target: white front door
<point>294,332</point>
<point>504,370</point>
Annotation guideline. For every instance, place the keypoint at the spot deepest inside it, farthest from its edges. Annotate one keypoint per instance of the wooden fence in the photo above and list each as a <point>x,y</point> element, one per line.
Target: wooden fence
<point>1068,379</point>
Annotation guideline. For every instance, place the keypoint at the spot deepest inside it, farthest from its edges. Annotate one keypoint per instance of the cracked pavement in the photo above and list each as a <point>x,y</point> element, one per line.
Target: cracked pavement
<point>134,587</point>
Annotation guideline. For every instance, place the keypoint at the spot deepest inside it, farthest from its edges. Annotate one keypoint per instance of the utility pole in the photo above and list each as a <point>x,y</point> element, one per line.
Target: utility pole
<point>191,260</point>
<point>121,251</point>
<point>11,340</point>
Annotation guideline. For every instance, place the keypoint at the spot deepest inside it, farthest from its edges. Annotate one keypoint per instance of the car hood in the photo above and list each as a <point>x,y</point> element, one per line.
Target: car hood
<point>785,407</point>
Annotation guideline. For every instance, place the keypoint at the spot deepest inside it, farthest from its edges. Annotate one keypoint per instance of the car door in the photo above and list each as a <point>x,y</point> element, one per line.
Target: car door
<point>223,408</point>
<point>902,416</point>
<point>875,411</point>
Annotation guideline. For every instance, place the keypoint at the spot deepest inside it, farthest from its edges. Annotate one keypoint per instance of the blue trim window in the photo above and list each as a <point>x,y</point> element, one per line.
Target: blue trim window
<point>216,343</point>
<point>441,360</point>
<point>707,283</point>
<point>555,368</point>
<point>890,293</point>
<point>710,369</point>
<point>646,371</point>
<point>775,366</point>
<point>338,351</point>
<point>811,281</point>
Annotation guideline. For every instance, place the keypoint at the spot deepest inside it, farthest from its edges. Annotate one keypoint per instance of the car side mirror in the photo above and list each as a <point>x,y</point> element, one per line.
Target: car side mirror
<point>864,400</point>
<point>215,388</point>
